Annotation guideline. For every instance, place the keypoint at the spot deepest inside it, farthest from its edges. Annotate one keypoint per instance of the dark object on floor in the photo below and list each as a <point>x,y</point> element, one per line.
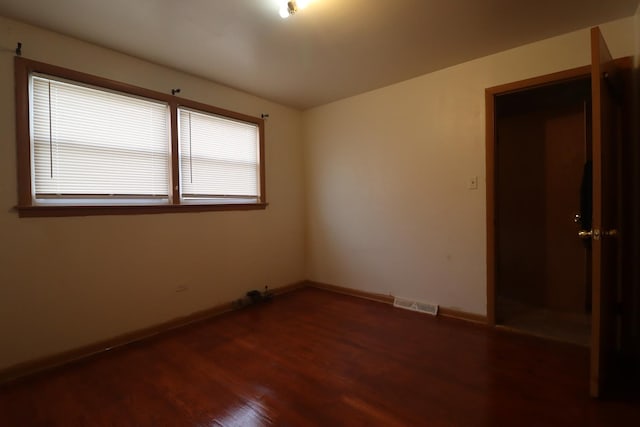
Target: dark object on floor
<point>257,296</point>
<point>253,297</point>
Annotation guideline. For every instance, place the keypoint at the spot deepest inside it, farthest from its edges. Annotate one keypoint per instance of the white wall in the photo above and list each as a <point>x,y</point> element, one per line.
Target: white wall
<point>387,171</point>
<point>68,282</point>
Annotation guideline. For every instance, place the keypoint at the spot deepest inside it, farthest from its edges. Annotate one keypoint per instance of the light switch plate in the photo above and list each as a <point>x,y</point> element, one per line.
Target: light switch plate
<point>473,183</point>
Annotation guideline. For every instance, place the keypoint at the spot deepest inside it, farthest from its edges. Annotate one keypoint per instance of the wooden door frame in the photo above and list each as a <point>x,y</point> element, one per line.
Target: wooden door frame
<point>490,159</point>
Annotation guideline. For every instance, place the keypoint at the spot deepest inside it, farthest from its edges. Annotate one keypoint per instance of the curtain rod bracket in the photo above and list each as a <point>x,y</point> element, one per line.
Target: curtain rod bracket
<point>174,91</point>
<point>19,49</point>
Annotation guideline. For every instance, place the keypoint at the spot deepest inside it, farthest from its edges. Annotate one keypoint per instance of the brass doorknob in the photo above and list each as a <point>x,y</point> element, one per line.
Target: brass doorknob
<point>597,234</point>
<point>584,234</point>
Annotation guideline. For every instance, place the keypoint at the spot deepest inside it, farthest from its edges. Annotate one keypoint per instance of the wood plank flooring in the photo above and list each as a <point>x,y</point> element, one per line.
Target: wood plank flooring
<point>315,358</point>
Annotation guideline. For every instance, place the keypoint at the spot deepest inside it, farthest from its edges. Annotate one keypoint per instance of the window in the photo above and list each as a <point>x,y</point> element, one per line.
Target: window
<point>91,145</point>
<point>210,167</point>
<point>88,145</point>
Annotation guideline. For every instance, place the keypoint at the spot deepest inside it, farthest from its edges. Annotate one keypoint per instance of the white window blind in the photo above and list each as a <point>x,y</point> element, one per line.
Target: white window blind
<point>219,157</point>
<point>91,143</point>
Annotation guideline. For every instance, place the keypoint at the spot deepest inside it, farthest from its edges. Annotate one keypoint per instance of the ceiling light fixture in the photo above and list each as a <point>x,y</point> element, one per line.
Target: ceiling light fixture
<point>292,6</point>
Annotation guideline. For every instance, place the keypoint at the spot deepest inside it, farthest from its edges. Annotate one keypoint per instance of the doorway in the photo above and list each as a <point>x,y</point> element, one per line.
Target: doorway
<point>607,225</point>
<point>542,153</point>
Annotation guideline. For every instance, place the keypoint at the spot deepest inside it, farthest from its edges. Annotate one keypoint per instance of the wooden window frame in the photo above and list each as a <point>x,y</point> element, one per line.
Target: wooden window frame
<point>26,206</point>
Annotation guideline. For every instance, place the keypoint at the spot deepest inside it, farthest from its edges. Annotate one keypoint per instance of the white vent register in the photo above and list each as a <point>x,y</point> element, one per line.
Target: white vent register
<point>418,306</point>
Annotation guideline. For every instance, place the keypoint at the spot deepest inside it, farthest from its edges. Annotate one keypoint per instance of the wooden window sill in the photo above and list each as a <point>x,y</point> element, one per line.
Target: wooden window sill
<point>59,211</point>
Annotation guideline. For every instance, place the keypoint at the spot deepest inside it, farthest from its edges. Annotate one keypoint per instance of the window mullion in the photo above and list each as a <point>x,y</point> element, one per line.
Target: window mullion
<point>175,154</point>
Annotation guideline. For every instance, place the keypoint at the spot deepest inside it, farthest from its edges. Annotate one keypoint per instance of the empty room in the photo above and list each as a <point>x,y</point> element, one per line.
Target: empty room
<point>319,213</point>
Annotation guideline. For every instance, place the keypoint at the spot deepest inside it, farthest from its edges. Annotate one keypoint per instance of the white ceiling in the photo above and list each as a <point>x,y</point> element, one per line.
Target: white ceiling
<point>330,50</point>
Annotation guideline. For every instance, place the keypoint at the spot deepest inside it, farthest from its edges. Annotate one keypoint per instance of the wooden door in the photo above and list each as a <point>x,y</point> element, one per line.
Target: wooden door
<point>605,214</point>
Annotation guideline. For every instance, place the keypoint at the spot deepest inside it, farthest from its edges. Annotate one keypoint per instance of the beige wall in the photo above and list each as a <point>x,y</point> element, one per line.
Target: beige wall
<point>68,282</point>
<point>387,172</point>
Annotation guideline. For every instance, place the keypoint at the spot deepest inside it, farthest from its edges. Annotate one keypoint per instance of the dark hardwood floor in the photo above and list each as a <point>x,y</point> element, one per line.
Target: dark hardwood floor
<point>315,358</point>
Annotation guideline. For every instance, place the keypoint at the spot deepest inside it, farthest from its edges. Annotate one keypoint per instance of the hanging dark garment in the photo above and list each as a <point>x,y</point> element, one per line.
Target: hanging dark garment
<point>586,201</point>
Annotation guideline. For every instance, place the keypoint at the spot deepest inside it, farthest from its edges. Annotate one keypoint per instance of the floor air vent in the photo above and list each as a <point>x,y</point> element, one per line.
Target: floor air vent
<point>421,307</point>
